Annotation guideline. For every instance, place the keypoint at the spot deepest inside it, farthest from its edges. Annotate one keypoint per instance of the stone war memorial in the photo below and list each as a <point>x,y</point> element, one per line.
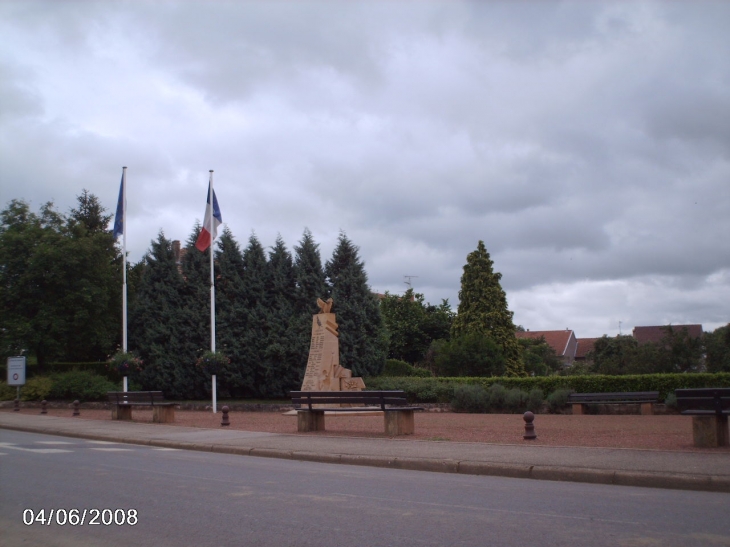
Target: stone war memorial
<point>324,372</point>
<point>329,387</point>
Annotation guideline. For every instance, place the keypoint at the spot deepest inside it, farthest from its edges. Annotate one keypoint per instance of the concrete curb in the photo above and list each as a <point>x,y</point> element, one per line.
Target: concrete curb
<point>708,483</point>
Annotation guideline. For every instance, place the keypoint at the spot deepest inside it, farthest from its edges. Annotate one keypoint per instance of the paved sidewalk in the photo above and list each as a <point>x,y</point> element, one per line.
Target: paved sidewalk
<point>651,468</point>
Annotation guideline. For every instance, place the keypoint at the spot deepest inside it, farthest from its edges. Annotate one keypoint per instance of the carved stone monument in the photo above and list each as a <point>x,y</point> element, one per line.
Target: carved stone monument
<point>324,372</point>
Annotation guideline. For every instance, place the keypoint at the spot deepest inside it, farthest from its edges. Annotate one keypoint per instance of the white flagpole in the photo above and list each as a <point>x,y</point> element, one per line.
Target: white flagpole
<point>212,284</point>
<point>124,268</point>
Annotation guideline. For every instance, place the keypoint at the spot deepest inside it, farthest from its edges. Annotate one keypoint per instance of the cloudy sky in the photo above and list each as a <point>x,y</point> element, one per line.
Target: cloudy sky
<point>586,143</point>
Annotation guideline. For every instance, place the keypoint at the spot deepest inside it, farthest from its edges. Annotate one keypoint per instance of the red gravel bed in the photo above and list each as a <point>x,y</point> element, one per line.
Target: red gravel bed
<point>607,431</point>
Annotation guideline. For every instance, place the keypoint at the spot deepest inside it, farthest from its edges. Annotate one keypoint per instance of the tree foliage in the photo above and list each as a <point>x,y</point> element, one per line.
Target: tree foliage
<point>60,282</point>
<point>471,354</point>
<point>412,325</point>
<point>483,308</point>
<point>677,351</point>
<point>717,347</point>
<point>363,339</point>
<point>538,358</point>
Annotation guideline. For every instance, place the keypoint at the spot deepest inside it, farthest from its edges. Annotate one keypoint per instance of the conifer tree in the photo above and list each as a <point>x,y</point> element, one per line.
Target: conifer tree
<point>363,340</point>
<point>310,285</point>
<point>232,319</point>
<point>255,313</point>
<point>483,308</point>
<point>311,282</point>
<point>281,349</point>
<point>195,302</point>
<point>157,325</point>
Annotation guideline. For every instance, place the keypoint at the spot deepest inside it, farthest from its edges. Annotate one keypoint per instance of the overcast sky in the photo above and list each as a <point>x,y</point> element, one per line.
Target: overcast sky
<point>586,143</point>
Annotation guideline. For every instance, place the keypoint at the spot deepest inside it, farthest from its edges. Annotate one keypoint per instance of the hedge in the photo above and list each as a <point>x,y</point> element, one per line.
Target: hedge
<point>32,369</point>
<point>432,390</point>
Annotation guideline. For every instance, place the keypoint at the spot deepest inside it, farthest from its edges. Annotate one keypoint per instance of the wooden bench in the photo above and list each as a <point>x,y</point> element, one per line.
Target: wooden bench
<point>645,398</point>
<point>709,408</point>
<point>312,405</point>
<point>123,401</point>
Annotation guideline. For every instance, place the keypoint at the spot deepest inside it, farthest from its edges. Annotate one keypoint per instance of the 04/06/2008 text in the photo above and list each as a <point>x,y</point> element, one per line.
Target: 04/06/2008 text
<point>80,517</point>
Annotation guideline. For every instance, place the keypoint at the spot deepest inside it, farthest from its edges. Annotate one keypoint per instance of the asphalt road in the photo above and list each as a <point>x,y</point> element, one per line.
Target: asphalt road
<point>197,498</point>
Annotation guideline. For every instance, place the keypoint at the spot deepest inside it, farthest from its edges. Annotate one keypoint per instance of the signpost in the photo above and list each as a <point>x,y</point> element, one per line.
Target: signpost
<point>16,372</point>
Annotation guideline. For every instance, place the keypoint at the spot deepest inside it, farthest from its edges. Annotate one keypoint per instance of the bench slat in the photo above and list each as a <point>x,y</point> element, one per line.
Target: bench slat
<point>615,397</point>
<point>703,401</point>
<point>376,398</point>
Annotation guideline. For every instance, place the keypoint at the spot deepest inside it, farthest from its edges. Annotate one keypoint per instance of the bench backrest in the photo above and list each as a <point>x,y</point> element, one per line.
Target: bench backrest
<point>362,398</point>
<point>709,398</point>
<point>629,397</point>
<point>135,397</point>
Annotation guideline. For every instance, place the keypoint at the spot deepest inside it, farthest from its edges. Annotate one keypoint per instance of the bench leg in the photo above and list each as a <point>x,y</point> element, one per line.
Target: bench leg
<point>647,409</point>
<point>578,408</point>
<point>710,431</point>
<point>163,414</point>
<point>310,421</point>
<point>399,422</point>
<point>122,412</point>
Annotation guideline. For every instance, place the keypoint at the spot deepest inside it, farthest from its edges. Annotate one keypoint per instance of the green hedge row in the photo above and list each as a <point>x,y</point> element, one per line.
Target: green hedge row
<point>441,390</point>
<point>32,369</point>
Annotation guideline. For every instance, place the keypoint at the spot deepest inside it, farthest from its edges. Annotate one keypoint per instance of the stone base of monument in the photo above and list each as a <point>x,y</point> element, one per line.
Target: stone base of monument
<point>710,431</point>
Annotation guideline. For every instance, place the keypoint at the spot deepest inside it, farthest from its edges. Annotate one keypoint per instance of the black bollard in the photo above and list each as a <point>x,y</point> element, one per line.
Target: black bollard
<point>76,408</point>
<point>43,407</point>
<point>530,434</point>
<point>16,405</point>
<point>225,421</point>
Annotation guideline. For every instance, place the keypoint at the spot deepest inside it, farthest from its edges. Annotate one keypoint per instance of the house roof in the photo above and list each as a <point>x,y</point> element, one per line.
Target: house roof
<point>585,345</point>
<point>644,335</point>
<point>556,339</point>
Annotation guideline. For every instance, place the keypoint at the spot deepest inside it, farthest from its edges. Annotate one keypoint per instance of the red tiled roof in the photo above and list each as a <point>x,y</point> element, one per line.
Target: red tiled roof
<point>644,335</point>
<point>585,345</point>
<point>556,339</point>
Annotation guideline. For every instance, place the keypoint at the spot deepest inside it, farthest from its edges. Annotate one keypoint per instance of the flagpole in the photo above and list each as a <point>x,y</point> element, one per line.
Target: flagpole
<point>124,268</point>
<point>212,284</point>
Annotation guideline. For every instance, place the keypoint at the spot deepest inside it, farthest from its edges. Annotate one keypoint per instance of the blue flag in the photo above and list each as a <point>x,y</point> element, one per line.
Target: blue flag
<point>119,217</point>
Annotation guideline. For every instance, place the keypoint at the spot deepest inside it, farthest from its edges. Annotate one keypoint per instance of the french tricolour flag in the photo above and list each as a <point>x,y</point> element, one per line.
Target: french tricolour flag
<point>213,219</point>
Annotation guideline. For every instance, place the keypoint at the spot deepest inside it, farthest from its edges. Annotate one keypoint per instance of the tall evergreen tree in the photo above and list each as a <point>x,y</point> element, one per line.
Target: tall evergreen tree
<point>281,350</point>
<point>363,339</point>
<point>255,311</point>
<point>232,320</point>
<point>311,281</point>
<point>483,308</point>
<point>157,324</point>
<point>310,285</point>
<point>195,302</point>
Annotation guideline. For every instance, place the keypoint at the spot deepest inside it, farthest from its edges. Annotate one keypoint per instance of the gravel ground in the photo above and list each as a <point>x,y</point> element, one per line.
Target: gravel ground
<point>608,431</point>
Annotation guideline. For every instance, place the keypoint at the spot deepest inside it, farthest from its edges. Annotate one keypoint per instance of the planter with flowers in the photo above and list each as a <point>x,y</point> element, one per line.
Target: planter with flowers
<point>212,362</point>
<point>125,363</point>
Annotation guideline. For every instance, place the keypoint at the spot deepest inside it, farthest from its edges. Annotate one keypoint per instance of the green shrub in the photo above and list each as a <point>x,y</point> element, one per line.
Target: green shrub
<point>515,401</point>
<point>394,367</point>
<point>36,389</point>
<point>558,399</point>
<point>497,396</point>
<point>7,393</point>
<point>535,399</point>
<point>82,385</point>
<point>473,399</point>
<point>671,401</point>
<point>442,389</point>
